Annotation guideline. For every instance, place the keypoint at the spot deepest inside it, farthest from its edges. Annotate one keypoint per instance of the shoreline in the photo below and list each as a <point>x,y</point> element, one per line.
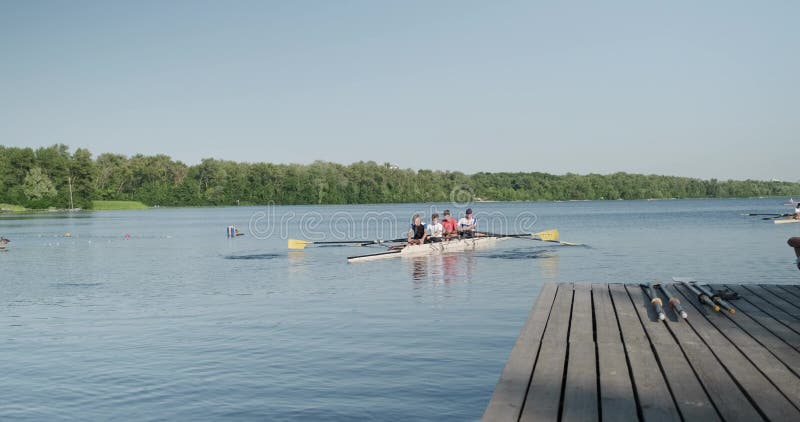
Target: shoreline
<point>6,211</point>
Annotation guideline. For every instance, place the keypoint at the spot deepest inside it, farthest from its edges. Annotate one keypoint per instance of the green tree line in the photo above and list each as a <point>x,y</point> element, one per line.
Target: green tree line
<point>43,177</point>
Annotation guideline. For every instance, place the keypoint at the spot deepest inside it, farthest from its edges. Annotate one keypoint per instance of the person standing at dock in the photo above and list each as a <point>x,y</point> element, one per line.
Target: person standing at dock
<point>795,243</point>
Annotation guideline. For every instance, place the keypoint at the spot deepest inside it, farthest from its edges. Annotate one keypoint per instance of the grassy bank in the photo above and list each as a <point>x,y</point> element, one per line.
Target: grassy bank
<point>118,205</point>
<point>12,208</point>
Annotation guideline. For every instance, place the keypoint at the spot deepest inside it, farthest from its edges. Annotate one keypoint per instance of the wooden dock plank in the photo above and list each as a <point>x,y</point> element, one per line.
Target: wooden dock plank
<point>730,402</point>
<point>792,294</point>
<point>689,394</point>
<point>765,307</point>
<point>785,299</point>
<point>544,395</point>
<point>580,390</point>
<point>653,397</point>
<point>509,394</point>
<point>599,353</point>
<point>774,301</point>
<point>793,288</point>
<point>783,351</point>
<point>770,366</point>
<point>774,326</point>
<point>617,402</point>
<point>769,400</point>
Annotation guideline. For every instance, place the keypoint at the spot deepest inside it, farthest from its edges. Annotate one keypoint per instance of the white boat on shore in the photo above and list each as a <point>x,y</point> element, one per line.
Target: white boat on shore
<point>455,245</point>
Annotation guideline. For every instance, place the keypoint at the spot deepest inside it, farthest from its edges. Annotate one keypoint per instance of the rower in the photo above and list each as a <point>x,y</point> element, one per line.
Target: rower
<point>449,226</point>
<point>417,234</point>
<point>467,225</point>
<point>435,229</point>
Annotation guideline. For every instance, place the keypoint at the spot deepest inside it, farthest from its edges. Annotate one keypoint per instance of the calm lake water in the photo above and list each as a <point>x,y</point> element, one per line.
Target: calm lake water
<point>177,322</point>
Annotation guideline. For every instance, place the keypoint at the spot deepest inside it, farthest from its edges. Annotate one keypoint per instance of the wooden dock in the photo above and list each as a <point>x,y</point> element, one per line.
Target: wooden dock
<point>599,352</point>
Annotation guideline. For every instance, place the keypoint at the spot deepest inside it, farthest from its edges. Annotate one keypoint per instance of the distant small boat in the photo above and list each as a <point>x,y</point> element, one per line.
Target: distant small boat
<point>791,202</point>
<point>3,243</point>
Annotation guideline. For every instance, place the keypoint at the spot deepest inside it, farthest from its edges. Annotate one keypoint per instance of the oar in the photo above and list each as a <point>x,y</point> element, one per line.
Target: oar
<point>545,236</point>
<point>301,244</point>
<point>777,216</point>
<point>704,298</point>
<point>673,301</point>
<point>654,300</point>
<point>718,300</point>
<point>753,215</point>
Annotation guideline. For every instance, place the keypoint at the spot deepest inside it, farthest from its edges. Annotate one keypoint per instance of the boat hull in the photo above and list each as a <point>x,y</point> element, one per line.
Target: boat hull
<point>455,245</point>
<point>786,220</point>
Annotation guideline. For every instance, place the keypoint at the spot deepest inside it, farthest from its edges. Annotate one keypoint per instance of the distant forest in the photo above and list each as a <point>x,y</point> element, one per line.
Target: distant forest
<point>42,178</point>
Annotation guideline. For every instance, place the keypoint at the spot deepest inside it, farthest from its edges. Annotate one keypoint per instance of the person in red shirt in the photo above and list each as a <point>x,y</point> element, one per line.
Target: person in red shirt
<point>450,225</point>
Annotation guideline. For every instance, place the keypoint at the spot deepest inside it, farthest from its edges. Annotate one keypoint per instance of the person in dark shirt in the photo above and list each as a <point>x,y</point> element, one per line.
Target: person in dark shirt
<point>795,243</point>
<point>417,232</point>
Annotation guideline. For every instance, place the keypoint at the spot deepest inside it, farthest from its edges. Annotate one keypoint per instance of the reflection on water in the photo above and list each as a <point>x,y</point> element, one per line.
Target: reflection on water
<point>549,266</point>
<point>255,256</point>
<point>419,265</point>
<point>179,304</point>
<point>296,257</point>
<point>521,253</point>
<point>442,268</point>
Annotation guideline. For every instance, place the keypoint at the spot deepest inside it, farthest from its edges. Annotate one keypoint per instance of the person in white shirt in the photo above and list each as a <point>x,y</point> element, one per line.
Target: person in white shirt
<point>435,229</point>
<point>467,225</point>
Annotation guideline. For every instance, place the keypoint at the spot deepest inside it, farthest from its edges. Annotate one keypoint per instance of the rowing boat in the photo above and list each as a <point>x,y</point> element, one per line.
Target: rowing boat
<point>787,220</point>
<point>455,245</point>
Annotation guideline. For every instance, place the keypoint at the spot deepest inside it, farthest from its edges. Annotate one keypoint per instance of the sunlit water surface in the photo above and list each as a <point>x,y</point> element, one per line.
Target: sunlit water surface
<point>177,322</point>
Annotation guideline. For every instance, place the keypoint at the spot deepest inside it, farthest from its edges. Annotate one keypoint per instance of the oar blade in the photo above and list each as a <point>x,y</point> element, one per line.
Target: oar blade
<point>298,244</point>
<point>549,235</point>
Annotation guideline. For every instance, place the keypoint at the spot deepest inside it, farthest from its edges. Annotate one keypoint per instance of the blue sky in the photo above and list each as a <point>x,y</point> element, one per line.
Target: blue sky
<point>705,89</point>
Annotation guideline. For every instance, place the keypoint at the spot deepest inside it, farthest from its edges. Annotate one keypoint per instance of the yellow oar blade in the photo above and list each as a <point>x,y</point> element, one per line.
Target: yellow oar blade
<point>551,235</point>
<point>298,244</point>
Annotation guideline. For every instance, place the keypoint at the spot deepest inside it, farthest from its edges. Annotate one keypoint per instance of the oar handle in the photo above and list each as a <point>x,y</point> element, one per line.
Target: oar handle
<point>501,235</point>
<point>654,300</point>
<point>365,242</point>
<point>722,303</point>
<point>706,300</point>
<point>701,296</point>
<point>335,242</point>
<point>674,302</point>
<point>713,295</point>
<point>676,305</point>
